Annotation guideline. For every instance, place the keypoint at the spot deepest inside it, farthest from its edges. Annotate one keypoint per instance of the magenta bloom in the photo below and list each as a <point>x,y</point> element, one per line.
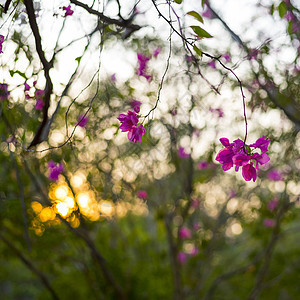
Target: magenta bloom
<point>4,93</point>
<point>39,104</point>
<point>212,64</point>
<point>135,104</point>
<point>196,226</point>
<point>181,256</point>
<point>226,57</point>
<point>136,133</point>
<point>82,120</point>
<point>195,203</point>
<point>202,165</point>
<point>184,233</point>
<point>156,52</point>
<point>26,87</point>
<point>249,172</point>
<point>142,66</point>
<point>142,194</point>
<point>269,223</point>
<point>253,54</point>
<point>218,111</point>
<point>274,175</point>
<point>128,121</point>
<point>69,11</point>
<point>113,78</point>
<point>182,153</point>
<point>1,42</point>
<point>273,204</point>
<point>54,170</point>
<point>194,251</point>
<point>207,13</point>
<point>241,155</point>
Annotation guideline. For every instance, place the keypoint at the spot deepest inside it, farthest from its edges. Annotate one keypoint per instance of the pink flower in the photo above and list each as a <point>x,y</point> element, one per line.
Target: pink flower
<point>69,11</point>
<point>142,194</point>
<point>142,66</point>
<point>4,93</point>
<point>181,256</point>
<point>226,57</point>
<point>156,52</point>
<point>275,175</point>
<point>113,78</point>
<point>135,104</point>
<point>39,104</point>
<point>207,13</point>
<point>26,87</point>
<point>253,54</point>
<point>212,64</point>
<point>195,203</point>
<point>218,111</point>
<point>54,170</point>
<point>196,226</point>
<point>136,133</point>
<point>184,233</point>
<point>1,42</point>
<point>82,120</point>
<point>182,153</point>
<point>202,165</point>
<point>194,251</point>
<point>249,172</point>
<point>128,121</point>
<point>269,223</point>
<point>240,155</point>
<point>273,204</point>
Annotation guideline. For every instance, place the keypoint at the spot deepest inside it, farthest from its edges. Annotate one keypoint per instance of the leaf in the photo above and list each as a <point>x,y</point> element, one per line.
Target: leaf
<point>195,15</point>
<point>12,73</point>
<point>178,1</point>
<point>203,2</point>
<point>201,32</point>
<point>197,50</point>
<point>282,9</point>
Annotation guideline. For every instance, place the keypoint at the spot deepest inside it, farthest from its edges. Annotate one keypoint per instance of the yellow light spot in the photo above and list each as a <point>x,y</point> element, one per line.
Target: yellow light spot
<point>75,223</point>
<point>77,180</point>
<point>69,202</point>
<point>47,214</point>
<point>83,200</point>
<point>37,207</point>
<point>236,228</point>
<point>61,192</point>
<point>106,208</point>
<point>62,208</point>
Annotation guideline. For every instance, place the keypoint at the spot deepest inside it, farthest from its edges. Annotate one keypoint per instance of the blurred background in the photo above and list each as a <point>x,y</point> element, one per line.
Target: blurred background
<point>85,213</point>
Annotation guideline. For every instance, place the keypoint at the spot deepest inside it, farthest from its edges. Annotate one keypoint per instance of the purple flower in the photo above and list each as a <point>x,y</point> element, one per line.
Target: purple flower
<point>207,13</point>
<point>113,78</point>
<point>275,175</point>
<point>1,42</point>
<point>54,170</point>
<point>273,204</point>
<point>39,104</point>
<point>82,120</point>
<point>185,233</point>
<point>269,223</point>
<point>196,226</point>
<point>26,87</point>
<point>224,157</point>
<point>142,66</point>
<point>69,11</point>
<point>194,251</point>
<point>128,121</point>
<point>195,203</point>
<point>142,194</point>
<point>202,165</point>
<point>218,111</point>
<point>136,133</point>
<point>4,93</point>
<point>212,64</point>
<point>253,54</point>
<point>262,143</point>
<point>181,256</point>
<point>249,172</point>
<point>135,104</point>
<point>182,153</point>
<point>226,57</point>
<point>156,52</point>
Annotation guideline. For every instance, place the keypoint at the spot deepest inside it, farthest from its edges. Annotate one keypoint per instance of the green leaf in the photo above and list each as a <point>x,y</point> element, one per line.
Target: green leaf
<point>178,1</point>
<point>195,15</point>
<point>78,59</point>
<point>201,32</point>
<point>203,2</point>
<point>282,9</point>
<point>197,50</point>
<point>12,73</point>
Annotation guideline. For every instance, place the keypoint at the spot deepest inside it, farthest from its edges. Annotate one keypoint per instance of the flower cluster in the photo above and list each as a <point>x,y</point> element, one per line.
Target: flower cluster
<point>1,42</point>
<point>130,125</point>
<point>38,95</point>
<point>142,63</point>
<point>54,170</point>
<point>4,93</point>
<point>240,155</point>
